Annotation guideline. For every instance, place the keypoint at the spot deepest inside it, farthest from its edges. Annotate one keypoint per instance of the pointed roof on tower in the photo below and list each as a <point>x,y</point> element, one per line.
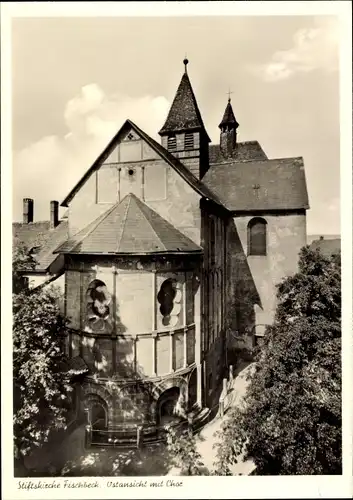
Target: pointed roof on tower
<point>184,113</point>
<point>129,227</point>
<point>229,117</point>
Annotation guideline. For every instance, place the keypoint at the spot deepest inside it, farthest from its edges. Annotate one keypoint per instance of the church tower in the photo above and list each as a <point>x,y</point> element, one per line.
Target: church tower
<point>228,126</point>
<point>184,134</point>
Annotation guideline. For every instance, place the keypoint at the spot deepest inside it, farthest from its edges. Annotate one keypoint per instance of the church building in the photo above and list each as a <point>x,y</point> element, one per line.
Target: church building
<point>170,252</point>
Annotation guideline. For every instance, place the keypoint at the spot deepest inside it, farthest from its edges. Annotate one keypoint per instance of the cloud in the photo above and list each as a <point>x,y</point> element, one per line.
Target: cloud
<point>313,48</point>
<point>48,169</point>
<point>335,205</point>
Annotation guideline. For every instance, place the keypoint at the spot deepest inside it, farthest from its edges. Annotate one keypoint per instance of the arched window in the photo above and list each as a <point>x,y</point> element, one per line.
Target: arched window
<point>169,298</point>
<point>98,301</point>
<point>98,416</point>
<point>257,236</point>
<point>97,411</point>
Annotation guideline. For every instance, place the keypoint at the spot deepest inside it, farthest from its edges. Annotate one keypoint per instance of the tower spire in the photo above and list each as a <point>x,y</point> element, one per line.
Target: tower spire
<point>183,133</point>
<point>184,114</point>
<point>228,126</point>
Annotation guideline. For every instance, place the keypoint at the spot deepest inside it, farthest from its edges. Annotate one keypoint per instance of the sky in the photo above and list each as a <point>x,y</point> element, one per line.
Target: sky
<point>76,80</point>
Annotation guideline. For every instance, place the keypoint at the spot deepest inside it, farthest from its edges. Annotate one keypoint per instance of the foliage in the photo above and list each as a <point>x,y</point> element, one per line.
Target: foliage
<point>22,260</point>
<point>41,386</point>
<point>182,447</point>
<point>291,419</point>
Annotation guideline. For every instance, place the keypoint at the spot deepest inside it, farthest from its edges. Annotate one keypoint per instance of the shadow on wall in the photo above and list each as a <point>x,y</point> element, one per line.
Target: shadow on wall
<point>242,295</point>
<point>122,388</point>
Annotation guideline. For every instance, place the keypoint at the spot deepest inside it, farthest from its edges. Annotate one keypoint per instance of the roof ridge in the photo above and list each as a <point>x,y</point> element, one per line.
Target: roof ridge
<point>141,205</point>
<point>129,197</point>
<point>234,161</point>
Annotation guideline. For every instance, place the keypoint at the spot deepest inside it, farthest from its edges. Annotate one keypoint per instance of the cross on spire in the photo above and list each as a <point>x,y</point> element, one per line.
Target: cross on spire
<point>229,93</point>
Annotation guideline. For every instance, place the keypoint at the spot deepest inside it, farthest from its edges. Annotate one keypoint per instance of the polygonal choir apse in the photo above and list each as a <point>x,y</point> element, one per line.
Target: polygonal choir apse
<point>133,298</point>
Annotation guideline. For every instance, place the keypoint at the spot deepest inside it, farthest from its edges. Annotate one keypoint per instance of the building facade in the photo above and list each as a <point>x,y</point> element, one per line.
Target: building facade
<point>172,255</point>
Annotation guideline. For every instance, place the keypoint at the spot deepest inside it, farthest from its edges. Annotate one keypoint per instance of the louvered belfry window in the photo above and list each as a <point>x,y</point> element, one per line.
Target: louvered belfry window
<point>172,143</point>
<point>189,141</point>
<point>257,229</point>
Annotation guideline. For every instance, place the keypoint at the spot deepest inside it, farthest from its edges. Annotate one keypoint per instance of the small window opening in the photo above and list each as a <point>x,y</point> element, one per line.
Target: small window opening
<point>131,171</point>
<point>172,143</point>
<point>189,141</point>
<point>257,237</point>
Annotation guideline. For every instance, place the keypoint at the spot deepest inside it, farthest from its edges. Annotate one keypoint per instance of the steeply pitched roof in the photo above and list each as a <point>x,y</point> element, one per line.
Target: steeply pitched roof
<point>228,117</point>
<point>244,151</point>
<point>261,185</point>
<point>182,170</point>
<point>39,236</point>
<point>184,113</point>
<point>129,227</point>
<point>327,247</point>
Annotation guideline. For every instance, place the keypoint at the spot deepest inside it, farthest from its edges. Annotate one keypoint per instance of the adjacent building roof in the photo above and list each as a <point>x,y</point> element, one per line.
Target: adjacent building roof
<point>129,227</point>
<point>184,113</point>
<point>260,185</point>
<point>327,247</point>
<point>244,151</point>
<point>39,238</point>
<point>32,234</point>
<point>183,171</point>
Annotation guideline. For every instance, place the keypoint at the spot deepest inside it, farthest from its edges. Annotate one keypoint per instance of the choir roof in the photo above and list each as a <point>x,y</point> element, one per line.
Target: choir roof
<point>129,227</point>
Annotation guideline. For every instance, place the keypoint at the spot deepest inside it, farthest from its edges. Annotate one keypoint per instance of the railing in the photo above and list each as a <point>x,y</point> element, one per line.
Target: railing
<point>130,437</point>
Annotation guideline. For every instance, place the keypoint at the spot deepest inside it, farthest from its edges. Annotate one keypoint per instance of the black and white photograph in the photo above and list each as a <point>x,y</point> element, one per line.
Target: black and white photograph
<point>175,207</point>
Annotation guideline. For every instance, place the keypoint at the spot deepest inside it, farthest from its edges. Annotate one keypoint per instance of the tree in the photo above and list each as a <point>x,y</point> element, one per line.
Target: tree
<point>22,260</point>
<point>291,419</point>
<point>41,387</point>
<point>182,447</point>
